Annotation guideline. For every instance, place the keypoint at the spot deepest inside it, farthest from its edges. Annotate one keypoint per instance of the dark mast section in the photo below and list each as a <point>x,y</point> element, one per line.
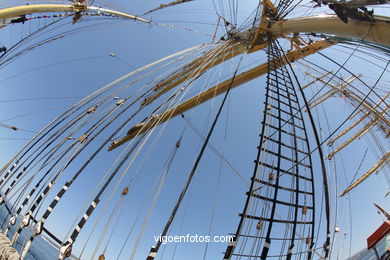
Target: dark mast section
<point>279,214</point>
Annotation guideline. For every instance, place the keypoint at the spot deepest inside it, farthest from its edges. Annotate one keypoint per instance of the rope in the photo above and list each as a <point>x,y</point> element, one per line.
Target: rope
<point>174,211</point>
<point>156,195</point>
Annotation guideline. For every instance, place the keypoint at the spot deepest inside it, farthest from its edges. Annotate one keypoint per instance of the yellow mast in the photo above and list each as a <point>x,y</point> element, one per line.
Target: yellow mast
<point>316,79</point>
<point>358,121</point>
<point>378,32</point>
<point>52,8</point>
<point>381,163</point>
<point>331,92</point>
<point>360,133</point>
<point>196,68</point>
<point>217,90</point>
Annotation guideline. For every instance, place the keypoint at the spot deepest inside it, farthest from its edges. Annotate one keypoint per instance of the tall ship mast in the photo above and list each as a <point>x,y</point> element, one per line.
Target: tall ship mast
<point>194,129</point>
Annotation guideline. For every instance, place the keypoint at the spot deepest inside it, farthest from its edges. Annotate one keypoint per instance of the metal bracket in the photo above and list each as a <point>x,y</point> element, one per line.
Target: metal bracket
<point>79,7</point>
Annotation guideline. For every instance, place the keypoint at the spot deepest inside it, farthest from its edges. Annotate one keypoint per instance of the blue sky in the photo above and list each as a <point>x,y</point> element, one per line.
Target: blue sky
<point>80,64</point>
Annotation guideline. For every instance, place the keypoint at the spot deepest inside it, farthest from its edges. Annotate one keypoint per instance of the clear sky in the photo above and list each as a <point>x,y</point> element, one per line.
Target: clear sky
<point>42,83</point>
